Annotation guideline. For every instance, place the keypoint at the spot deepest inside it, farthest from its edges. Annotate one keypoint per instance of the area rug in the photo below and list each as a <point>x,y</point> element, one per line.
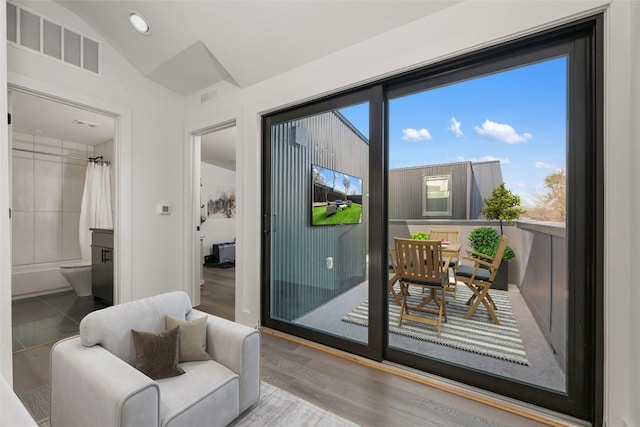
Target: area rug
<point>276,408</point>
<point>477,335</point>
<point>279,408</point>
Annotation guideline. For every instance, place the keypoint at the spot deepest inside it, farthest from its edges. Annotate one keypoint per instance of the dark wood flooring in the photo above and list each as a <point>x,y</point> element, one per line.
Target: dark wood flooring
<point>218,294</point>
<point>355,391</point>
<point>364,395</point>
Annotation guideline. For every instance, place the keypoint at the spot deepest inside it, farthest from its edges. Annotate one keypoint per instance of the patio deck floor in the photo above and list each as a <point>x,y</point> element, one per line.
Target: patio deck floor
<point>543,370</point>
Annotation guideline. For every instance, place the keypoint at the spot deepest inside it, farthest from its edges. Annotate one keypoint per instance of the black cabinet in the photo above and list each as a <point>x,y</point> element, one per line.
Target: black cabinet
<point>224,253</point>
<point>102,264</point>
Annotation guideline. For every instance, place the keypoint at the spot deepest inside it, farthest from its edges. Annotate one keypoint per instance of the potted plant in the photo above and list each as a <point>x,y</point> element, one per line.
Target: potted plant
<point>502,205</point>
<point>485,240</point>
<point>420,236</point>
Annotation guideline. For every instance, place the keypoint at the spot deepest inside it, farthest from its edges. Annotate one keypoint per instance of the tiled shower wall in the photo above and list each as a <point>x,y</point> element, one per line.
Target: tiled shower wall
<point>47,194</point>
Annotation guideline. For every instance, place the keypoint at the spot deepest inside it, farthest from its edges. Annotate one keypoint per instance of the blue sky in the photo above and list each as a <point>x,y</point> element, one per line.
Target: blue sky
<point>516,116</point>
<point>355,183</point>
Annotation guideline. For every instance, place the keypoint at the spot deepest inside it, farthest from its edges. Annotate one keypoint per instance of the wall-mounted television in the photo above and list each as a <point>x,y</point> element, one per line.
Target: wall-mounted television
<point>336,197</point>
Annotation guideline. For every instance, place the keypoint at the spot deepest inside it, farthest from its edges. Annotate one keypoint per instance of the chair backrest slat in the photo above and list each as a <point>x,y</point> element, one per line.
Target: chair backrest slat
<point>497,258</point>
<point>419,260</point>
<point>450,235</point>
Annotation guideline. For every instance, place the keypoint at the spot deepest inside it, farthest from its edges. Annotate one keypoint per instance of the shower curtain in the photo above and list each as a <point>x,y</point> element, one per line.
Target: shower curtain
<point>95,211</point>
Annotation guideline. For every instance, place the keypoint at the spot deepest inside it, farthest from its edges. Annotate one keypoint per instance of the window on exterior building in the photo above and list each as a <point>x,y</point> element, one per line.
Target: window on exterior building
<point>436,196</point>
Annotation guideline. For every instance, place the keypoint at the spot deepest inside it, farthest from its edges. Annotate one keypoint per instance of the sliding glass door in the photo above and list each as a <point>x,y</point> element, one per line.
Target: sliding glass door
<point>442,153</point>
<point>317,220</point>
<point>510,134</point>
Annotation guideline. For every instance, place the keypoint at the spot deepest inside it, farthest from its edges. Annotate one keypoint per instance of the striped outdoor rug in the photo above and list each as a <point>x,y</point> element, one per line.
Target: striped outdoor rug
<point>478,334</point>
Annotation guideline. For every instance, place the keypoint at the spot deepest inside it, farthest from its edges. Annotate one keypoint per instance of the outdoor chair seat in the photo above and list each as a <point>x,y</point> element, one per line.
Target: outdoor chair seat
<point>467,271</point>
<point>453,262</point>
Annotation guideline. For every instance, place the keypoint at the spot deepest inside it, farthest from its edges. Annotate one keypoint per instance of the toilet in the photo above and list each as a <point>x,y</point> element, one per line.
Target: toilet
<point>78,274</point>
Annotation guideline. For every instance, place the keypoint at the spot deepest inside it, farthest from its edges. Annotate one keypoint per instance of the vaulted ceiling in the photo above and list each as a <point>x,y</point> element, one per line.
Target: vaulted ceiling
<point>195,44</point>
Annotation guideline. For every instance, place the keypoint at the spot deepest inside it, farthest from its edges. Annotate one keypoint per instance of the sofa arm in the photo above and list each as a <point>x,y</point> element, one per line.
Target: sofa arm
<point>238,348</point>
<point>90,384</point>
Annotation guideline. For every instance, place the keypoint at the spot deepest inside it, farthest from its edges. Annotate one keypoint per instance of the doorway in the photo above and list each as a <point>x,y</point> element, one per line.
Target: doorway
<point>217,210</point>
<point>53,144</point>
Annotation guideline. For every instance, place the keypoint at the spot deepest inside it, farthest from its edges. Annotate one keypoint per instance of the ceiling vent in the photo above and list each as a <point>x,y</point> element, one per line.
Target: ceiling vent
<point>85,123</point>
<point>28,30</point>
<point>209,96</point>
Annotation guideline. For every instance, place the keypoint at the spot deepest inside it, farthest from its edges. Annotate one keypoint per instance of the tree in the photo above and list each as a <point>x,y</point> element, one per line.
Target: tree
<point>502,205</point>
<point>319,179</point>
<point>556,198</point>
<point>347,183</point>
<point>551,205</point>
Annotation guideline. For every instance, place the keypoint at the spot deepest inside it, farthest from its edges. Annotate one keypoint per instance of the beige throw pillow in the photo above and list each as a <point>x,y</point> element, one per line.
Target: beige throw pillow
<point>157,353</point>
<point>192,338</point>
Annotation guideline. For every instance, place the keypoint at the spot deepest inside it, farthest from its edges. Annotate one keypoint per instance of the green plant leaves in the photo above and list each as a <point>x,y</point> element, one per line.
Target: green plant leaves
<point>420,236</point>
<point>486,240</point>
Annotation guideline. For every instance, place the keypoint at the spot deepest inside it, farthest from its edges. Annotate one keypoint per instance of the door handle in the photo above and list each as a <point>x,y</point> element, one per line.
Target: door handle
<point>105,255</point>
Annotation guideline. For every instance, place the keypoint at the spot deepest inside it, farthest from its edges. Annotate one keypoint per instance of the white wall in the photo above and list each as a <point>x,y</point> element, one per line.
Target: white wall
<point>6,365</point>
<point>462,28</point>
<point>155,145</point>
<point>150,138</point>
<point>632,331</point>
<point>216,229</point>
<point>634,339</point>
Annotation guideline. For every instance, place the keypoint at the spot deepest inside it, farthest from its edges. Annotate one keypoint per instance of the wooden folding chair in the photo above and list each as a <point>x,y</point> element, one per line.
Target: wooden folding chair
<point>451,236</point>
<point>479,278</point>
<point>419,263</point>
<point>393,269</point>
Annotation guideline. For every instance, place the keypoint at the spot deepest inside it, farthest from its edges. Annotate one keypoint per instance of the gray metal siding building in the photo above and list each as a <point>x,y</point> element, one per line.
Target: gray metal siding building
<point>300,278</point>
<point>470,184</point>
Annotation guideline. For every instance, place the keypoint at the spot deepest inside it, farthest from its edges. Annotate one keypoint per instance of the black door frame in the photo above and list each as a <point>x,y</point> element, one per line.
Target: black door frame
<point>583,43</point>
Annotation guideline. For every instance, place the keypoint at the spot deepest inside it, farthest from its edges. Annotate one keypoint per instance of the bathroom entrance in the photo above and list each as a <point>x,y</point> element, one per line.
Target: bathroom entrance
<point>63,198</point>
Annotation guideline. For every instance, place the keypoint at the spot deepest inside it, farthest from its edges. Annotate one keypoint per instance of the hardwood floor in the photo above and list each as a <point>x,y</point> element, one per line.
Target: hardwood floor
<point>368,396</point>
<point>218,294</point>
<point>365,395</point>
<point>355,391</point>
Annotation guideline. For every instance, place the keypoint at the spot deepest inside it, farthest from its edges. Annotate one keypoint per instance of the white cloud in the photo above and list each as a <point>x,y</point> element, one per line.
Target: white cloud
<point>502,132</point>
<point>415,134</point>
<point>455,127</point>
<point>543,165</point>
<point>504,160</point>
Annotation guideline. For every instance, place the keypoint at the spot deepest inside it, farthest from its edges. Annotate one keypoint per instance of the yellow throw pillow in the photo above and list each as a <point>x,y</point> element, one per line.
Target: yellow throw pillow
<point>192,338</point>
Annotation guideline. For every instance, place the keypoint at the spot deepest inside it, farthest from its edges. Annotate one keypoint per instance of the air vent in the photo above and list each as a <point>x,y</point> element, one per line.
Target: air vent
<point>29,30</point>
<point>84,123</point>
<point>12,23</point>
<point>209,96</point>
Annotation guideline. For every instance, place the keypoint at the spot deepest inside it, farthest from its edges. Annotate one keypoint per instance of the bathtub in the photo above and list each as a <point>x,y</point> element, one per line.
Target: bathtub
<point>37,279</point>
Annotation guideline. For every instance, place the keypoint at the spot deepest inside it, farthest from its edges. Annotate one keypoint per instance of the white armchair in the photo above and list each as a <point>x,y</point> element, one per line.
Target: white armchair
<point>93,380</point>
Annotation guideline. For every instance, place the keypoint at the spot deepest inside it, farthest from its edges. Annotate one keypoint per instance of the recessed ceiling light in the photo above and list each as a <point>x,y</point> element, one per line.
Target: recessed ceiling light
<point>139,23</point>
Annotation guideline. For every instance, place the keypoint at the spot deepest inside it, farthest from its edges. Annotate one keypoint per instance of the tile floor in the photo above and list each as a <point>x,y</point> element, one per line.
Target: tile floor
<point>39,320</point>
